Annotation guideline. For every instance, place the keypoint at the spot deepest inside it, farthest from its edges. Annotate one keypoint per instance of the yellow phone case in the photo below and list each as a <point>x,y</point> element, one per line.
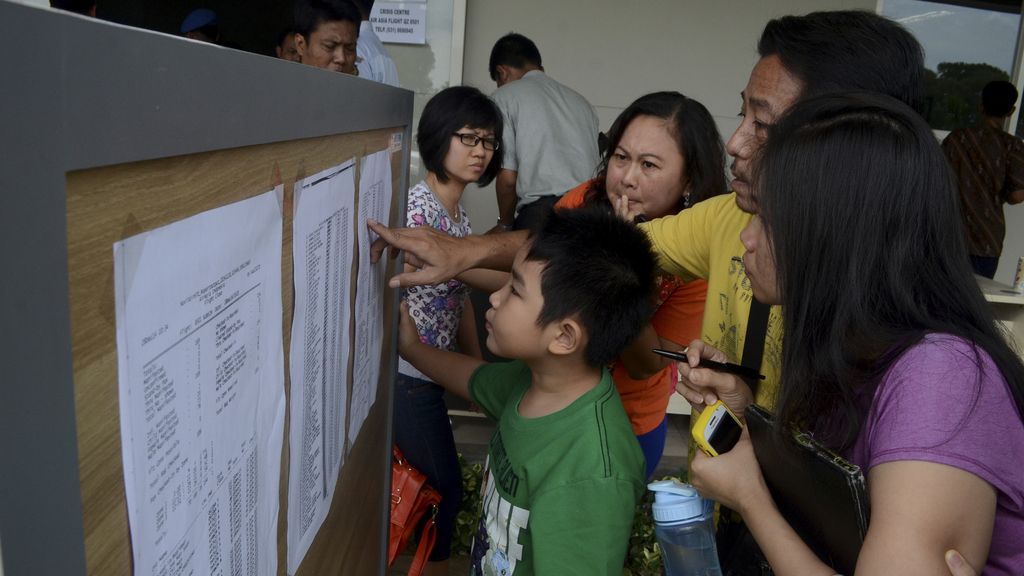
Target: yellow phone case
<point>701,425</point>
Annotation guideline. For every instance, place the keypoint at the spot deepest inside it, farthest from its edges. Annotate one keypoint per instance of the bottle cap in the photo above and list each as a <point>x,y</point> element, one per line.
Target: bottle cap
<point>674,501</point>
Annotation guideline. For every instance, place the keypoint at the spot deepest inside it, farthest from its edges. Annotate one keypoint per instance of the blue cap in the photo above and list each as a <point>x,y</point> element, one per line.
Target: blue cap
<point>198,18</point>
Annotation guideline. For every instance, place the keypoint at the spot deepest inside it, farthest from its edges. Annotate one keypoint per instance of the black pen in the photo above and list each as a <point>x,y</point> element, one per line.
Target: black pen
<point>728,367</point>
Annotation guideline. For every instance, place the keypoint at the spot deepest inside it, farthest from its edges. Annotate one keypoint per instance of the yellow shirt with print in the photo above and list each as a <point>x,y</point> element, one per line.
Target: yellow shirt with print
<point>703,241</point>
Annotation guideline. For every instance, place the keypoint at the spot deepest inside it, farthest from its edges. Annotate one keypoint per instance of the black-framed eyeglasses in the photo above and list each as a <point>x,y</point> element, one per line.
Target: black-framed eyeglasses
<point>472,140</point>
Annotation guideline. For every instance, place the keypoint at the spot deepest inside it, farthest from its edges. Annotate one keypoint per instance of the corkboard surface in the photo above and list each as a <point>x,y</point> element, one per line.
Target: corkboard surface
<point>107,204</point>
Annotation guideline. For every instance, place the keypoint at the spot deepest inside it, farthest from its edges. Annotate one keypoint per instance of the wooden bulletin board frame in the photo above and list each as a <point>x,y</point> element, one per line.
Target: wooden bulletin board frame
<point>110,131</point>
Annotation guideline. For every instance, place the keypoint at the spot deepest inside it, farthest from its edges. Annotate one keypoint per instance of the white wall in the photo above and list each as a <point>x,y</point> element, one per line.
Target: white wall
<point>613,51</point>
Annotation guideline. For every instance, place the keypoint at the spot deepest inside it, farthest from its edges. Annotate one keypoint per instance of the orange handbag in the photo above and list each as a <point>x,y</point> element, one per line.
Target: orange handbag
<point>411,499</point>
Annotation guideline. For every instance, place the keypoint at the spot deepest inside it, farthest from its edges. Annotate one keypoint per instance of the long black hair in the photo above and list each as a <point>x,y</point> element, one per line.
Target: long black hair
<point>863,218</point>
<point>695,133</point>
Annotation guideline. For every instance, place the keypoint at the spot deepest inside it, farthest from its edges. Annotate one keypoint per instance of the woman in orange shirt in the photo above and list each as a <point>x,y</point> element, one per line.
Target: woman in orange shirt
<point>664,153</point>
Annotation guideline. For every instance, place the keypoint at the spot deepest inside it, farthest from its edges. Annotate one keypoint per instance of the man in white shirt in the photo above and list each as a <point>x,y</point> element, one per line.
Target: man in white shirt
<point>373,60</point>
<point>550,136</point>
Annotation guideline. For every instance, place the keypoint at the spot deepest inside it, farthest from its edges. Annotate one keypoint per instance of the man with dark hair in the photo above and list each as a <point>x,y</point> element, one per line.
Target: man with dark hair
<point>326,32</point>
<point>373,60</point>
<point>285,46</point>
<point>550,138</point>
<point>988,165</point>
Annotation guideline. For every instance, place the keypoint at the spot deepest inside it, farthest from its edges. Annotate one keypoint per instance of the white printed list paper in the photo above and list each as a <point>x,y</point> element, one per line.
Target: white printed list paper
<point>201,382</point>
<point>322,245</point>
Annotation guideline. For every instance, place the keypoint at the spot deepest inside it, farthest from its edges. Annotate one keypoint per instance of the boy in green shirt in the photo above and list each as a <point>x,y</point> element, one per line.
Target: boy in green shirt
<point>564,470</point>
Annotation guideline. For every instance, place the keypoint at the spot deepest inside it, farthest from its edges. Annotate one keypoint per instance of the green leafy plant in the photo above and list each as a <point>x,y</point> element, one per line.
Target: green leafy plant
<point>467,520</point>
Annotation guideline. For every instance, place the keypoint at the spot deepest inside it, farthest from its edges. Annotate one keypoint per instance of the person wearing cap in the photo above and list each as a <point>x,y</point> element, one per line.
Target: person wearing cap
<point>201,24</point>
<point>326,32</point>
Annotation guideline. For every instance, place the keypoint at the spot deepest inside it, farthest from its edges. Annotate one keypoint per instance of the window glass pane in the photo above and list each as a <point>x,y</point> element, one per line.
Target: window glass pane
<point>965,48</point>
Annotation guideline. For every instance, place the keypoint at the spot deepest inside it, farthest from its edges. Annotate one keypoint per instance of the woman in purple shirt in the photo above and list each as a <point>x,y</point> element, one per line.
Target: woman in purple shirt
<point>891,354</point>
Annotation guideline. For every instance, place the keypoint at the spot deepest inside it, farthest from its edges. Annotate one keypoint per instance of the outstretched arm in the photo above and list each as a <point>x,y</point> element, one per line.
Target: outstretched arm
<point>485,280</point>
<point>450,370</point>
<point>440,257</point>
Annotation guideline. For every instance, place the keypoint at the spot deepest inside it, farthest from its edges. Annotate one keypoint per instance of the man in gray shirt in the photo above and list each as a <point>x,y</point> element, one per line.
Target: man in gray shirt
<point>550,135</point>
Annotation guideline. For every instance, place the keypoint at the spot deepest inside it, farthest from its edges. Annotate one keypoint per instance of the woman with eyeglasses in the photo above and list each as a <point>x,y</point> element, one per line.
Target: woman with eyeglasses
<point>459,139</point>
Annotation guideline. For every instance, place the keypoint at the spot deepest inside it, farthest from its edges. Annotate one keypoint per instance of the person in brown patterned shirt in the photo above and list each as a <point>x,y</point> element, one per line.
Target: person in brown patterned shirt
<point>988,165</point>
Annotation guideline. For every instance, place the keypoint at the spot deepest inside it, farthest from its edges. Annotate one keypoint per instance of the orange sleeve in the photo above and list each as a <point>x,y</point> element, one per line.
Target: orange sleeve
<point>678,318</point>
<point>574,198</point>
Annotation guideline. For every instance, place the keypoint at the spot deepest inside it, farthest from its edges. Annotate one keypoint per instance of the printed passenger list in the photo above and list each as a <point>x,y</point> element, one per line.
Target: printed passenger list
<point>201,381</point>
<point>374,203</point>
<point>322,253</point>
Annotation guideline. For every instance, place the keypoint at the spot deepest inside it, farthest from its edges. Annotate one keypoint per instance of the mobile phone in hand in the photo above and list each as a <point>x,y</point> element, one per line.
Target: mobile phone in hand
<point>717,429</point>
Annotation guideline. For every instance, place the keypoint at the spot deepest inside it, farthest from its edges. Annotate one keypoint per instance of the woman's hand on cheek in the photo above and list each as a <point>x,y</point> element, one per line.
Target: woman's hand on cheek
<point>733,478</point>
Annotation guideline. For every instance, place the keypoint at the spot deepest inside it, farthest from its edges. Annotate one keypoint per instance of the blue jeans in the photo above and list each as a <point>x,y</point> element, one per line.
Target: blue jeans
<point>653,445</point>
<point>424,435</point>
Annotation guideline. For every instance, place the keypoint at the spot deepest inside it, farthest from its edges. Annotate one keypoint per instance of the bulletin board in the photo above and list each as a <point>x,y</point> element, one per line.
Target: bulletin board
<point>123,131</point>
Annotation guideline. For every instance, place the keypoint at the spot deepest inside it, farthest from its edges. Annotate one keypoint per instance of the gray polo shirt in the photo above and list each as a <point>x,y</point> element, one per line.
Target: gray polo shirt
<point>550,136</point>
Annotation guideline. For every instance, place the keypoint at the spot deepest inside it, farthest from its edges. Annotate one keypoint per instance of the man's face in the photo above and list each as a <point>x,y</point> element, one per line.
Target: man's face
<point>332,46</point>
<point>287,51</point>
<point>770,91</point>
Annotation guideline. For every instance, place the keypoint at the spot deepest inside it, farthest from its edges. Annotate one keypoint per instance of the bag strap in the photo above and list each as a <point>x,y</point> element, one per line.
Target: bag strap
<point>753,342</point>
<point>426,545</point>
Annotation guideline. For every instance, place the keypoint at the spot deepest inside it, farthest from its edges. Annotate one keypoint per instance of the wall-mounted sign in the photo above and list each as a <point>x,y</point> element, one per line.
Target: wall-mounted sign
<point>400,22</point>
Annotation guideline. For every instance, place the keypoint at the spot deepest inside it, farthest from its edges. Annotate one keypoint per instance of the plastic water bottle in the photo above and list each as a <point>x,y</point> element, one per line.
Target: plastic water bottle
<point>684,525</point>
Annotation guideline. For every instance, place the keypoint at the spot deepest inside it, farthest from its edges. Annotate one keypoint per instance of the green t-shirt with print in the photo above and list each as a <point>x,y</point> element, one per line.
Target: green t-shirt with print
<point>560,491</point>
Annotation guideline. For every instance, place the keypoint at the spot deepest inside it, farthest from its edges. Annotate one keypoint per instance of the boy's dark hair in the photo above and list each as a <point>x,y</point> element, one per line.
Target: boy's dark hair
<point>998,98</point>
<point>513,50</point>
<point>448,112</point>
<point>598,269</point>
<point>310,14</point>
<point>847,50</point>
